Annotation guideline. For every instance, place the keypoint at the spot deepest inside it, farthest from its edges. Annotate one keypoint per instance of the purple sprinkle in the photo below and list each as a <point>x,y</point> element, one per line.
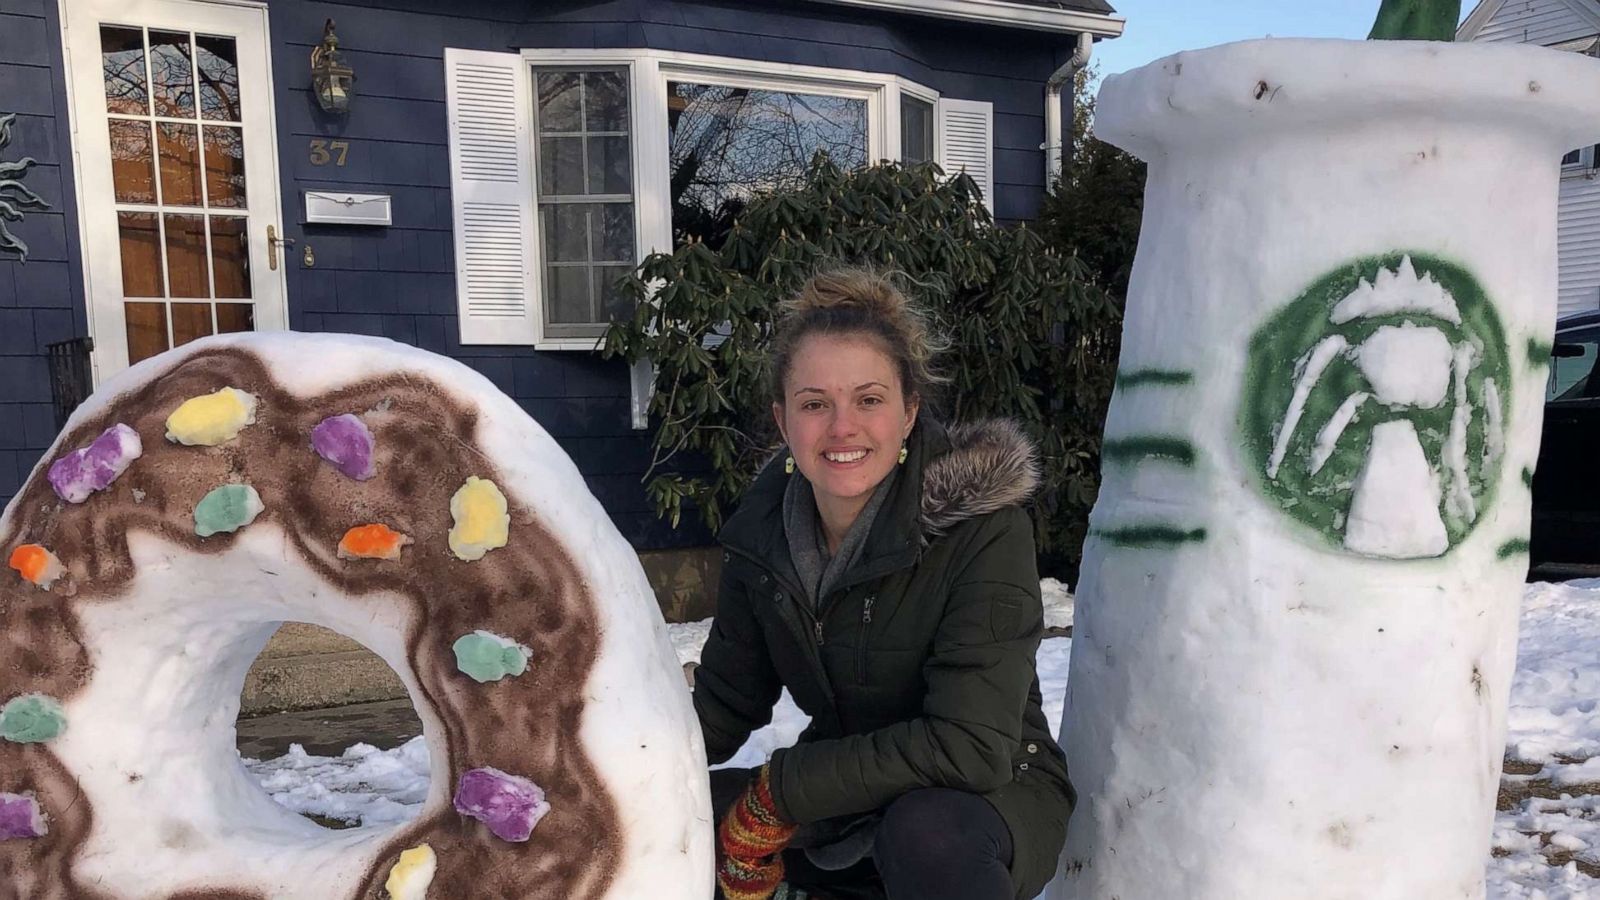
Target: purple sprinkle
<point>509,805</point>
<point>88,469</point>
<point>20,817</point>
<point>346,442</point>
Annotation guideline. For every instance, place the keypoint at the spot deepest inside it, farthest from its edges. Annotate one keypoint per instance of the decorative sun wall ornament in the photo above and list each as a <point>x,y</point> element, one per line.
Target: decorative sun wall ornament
<point>14,195</point>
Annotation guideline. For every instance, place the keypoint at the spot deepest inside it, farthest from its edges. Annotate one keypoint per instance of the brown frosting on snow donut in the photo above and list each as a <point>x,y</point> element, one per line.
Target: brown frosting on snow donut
<point>426,437</point>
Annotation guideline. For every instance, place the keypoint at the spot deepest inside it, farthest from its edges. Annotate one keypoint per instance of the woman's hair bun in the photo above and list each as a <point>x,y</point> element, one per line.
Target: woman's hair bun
<point>874,291</point>
<point>857,300</point>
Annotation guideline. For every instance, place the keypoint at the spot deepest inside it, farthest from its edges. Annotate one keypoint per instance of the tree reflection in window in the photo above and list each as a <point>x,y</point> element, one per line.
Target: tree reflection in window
<point>729,143</point>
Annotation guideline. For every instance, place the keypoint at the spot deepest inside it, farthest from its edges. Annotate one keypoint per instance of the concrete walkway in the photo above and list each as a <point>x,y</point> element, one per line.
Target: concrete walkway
<point>384,724</point>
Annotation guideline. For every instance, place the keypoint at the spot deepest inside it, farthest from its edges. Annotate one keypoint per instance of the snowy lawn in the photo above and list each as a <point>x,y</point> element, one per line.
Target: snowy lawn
<point>1546,833</point>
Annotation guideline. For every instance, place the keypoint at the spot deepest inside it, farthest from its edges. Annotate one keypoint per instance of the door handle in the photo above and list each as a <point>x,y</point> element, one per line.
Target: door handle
<point>272,246</point>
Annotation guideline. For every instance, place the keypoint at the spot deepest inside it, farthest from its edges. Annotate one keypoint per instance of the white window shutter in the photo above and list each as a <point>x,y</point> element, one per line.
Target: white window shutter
<point>966,142</point>
<point>492,196</point>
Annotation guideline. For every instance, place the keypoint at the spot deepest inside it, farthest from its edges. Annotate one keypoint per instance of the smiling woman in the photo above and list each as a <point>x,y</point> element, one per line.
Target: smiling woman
<point>844,399</point>
<point>884,572</point>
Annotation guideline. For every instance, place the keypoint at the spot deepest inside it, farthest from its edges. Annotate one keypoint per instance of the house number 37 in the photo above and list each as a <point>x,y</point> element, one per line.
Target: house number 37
<point>323,152</point>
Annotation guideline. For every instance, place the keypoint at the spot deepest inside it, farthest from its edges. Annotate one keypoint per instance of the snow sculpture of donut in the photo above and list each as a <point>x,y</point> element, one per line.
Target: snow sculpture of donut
<point>205,496</point>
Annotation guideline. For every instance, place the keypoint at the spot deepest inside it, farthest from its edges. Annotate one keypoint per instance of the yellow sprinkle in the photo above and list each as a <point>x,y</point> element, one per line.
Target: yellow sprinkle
<point>210,419</point>
<point>482,523</point>
<point>410,877</point>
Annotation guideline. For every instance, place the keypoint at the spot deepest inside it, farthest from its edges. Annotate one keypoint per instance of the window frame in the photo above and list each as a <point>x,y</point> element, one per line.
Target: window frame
<point>926,95</point>
<point>649,71</point>
<point>1584,165</point>
<point>545,280</point>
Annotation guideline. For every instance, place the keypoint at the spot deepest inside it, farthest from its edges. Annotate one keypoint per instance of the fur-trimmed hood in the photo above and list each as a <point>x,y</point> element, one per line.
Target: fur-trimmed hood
<point>991,465</point>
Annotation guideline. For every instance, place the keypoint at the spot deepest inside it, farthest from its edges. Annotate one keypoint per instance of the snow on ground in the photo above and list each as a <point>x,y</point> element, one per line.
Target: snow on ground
<point>1546,844</point>
<point>363,785</point>
<point>1057,604</point>
<point>1553,736</point>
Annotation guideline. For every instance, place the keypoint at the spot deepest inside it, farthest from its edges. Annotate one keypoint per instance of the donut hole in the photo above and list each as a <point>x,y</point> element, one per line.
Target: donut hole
<point>153,739</point>
<point>328,730</point>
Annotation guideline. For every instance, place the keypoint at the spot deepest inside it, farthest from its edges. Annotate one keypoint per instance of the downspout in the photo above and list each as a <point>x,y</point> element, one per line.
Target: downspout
<point>1053,131</point>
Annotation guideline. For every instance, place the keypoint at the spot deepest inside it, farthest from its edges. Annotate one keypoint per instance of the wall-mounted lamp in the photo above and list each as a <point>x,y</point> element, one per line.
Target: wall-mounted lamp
<point>331,79</point>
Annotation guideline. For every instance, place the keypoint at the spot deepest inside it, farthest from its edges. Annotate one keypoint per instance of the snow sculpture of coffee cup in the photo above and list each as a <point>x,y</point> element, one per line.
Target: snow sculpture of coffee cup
<point>1297,619</point>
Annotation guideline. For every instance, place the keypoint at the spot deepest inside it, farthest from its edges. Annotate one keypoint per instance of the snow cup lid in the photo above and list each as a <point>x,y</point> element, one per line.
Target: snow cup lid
<point>1260,88</point>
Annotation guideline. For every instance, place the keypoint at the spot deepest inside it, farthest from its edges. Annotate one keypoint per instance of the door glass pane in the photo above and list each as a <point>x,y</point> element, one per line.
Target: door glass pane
<point>218,66</point>
<point>122,64</point>
<point>560,102</point>
<point>147,329</point>
<point>916,130</point>
<point>132,167</point>
<point>186,256</point>
<point>180,164</point>
<point>230,258</point>
<point>190,321</point>
<point>172,73</point>
<point>569,293</point>
<point>224,166</point>
<point>235,317</point>
<point>140,245</point>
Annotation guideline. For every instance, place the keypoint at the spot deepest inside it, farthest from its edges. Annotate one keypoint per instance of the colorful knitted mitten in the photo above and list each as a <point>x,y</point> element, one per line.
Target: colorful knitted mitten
<point>751,841</point>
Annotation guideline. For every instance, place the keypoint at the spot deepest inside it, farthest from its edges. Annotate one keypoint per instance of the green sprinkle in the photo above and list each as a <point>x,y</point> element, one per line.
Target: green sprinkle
<point>32,719</point>
<point>1151,535</point>
<point>227,508</point>
<point>1513,547</point>
<point>1527,476</point>
<point>1539,353</point>
<point>1141,377</point>
<point>1134,449</point>
<point>484,656</point>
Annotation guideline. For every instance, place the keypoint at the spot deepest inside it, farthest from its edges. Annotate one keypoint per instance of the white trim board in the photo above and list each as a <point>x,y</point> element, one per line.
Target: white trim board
<point>999,12</point>
<point>1485,11</point>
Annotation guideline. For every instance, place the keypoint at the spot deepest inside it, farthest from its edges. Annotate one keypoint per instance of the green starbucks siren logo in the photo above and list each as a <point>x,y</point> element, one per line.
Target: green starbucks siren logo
<point>1375,406</point>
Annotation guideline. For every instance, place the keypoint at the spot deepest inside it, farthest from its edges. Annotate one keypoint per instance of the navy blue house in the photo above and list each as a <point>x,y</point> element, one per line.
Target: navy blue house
<point>494,168</point>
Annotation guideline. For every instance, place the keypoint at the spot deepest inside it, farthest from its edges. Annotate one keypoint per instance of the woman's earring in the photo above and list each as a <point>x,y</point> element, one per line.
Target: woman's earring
<point>788,466</point>
<point>902,453</point>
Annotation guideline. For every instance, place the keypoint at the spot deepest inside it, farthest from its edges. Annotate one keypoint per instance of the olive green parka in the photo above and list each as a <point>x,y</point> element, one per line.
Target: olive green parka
<point>917,669</point>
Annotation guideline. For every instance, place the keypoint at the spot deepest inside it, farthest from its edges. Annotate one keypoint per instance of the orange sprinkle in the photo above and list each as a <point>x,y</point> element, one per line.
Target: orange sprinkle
<point>35,563</point>
<point>376,541</point>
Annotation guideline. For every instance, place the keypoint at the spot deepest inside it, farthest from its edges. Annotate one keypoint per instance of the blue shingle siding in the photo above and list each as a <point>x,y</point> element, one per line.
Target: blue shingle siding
<point>399,281</point>
<point>41,301</point>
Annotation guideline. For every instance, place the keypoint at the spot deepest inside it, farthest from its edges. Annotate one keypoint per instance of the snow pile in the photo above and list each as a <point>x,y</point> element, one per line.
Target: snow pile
<point>1556,691</point>
<point>364,785</point>
<point>1057,605</point>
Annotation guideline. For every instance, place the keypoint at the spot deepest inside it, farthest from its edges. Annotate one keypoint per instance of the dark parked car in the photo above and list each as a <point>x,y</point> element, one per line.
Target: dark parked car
<point>1566,487</point>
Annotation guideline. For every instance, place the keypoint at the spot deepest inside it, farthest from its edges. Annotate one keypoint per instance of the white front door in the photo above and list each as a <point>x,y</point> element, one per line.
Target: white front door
<point>177,172</point>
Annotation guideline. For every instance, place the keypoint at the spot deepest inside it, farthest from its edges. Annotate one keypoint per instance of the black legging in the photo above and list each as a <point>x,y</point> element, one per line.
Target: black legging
<point>933,844</point>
